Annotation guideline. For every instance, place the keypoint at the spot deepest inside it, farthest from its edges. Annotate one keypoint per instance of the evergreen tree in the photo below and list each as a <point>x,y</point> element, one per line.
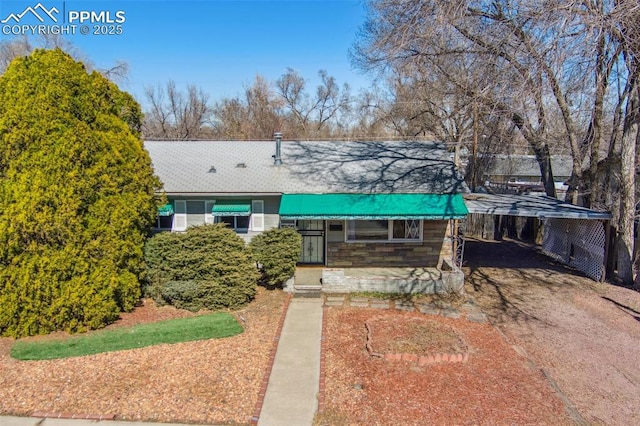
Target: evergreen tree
<point>76,197</point>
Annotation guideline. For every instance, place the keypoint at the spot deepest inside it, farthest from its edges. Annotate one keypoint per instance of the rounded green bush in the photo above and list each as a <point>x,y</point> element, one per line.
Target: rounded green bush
<point>277,251</point>
<point>206,267</point>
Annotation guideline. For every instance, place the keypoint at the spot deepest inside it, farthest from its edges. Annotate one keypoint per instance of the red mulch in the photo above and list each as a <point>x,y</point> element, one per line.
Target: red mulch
<point>495,386</point>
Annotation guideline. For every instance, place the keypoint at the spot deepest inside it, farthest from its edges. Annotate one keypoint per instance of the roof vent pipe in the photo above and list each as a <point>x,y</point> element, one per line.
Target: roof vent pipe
<point>277,159</point>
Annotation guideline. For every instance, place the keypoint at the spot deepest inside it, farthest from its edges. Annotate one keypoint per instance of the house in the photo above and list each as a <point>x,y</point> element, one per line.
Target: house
<point>379,216</point>
<point>521,173</point>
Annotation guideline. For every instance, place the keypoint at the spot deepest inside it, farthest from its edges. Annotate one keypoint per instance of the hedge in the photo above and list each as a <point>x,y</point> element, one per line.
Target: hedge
<point>206,267</point>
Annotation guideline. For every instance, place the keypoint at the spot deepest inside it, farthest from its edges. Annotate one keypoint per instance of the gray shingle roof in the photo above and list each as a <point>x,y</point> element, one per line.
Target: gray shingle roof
<point>308,167</point>
<point>539,206</point>
<point>526,165</point>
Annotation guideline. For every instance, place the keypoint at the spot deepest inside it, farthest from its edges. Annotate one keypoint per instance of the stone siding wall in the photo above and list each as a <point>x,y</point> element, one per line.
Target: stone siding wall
<point>427,253</point>
<point>334,280</point>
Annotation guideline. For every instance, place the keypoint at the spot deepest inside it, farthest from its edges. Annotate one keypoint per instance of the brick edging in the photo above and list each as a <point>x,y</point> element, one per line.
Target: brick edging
<point>49,415</point>
<point>430,359</point>
<point>323,351</point>
<point>415,358</point>
<point>272,356</point>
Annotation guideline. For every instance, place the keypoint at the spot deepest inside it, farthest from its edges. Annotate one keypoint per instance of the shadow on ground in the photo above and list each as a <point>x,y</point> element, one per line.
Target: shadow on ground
<point>505,277</point>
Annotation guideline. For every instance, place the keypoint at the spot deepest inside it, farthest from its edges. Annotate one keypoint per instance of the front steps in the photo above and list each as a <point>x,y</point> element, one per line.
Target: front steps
<point>308,290</point>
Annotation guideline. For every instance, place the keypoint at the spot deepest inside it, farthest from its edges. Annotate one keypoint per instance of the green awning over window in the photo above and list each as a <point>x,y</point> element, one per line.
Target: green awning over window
<point>231,208</point>
<point>166,210</point>
<point>372,206</point>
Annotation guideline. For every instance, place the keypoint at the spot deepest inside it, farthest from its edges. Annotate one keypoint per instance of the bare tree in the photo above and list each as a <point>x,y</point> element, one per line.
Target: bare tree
<point>177,115</point>
<point>231,119</point>
<point>23,46</point>
<point>255,115</point>
<point>263,108</point>
<point>316,114</point>
<point>331,100</point>
<point>117,72</point>
<point>291,86</point>
<point>11,49</point>
<point>371,114</point>
<point>563,73</point>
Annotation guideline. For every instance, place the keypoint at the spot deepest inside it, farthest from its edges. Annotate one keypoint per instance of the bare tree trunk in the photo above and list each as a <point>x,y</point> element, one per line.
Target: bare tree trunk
<point>541,151</point>
<point>595,131</point>
<point>628,191</point>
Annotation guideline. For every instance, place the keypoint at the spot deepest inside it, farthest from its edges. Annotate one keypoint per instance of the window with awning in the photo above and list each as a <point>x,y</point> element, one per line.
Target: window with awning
<point>234,213</point>
<point>165,217</point>
<point>231,208</point>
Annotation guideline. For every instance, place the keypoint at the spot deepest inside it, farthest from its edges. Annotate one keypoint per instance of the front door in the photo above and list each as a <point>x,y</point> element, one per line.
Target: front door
<point>312,232</point>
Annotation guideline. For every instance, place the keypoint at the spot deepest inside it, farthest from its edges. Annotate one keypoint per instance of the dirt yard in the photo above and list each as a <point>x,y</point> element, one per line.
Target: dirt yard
<point>493,387</point>
<point>584,336</point>
<point>560,349</point>
<point>210,381</point>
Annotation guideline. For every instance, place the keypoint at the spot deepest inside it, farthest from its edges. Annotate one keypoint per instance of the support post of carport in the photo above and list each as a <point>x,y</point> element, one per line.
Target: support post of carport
<point>454,240</point>
<point>607,237</point>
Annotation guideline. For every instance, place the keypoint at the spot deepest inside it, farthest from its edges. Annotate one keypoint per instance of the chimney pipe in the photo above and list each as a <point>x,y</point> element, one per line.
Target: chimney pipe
<point>278,157</point>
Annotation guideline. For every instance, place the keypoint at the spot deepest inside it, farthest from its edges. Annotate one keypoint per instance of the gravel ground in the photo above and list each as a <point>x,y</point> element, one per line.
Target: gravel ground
<point>199,382</point>
<point>584,335</point>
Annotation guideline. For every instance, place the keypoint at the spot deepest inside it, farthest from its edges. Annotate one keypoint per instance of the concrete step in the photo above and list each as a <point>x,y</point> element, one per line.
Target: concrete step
<point>307,291</point>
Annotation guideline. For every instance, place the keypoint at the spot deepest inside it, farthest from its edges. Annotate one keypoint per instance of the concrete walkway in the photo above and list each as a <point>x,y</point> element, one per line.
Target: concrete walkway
<point>292,392</point>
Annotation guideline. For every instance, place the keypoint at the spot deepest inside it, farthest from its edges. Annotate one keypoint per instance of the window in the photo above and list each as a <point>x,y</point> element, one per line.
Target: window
<point>368,230</point>
<point>287,223</point>
<point>164,222</point>
<point>384,230</point>
<point>189,213</point>
<point>196,213</point>
<point>237,223</point>
<point>406,230</point>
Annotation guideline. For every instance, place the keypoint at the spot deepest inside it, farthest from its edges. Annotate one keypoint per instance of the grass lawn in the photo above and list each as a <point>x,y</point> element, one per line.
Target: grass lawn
<point>201,327</point>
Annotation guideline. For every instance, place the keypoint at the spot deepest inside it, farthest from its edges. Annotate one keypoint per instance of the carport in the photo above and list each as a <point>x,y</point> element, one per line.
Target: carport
<point>572,235</point>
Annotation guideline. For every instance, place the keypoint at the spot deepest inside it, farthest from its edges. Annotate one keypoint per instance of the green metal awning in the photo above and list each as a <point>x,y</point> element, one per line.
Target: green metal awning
<point>231,208</point>
<point>372,206</point>
<point>166,210</point>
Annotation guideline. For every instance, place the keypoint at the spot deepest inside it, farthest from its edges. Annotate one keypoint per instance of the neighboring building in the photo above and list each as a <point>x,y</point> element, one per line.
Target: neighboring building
<point>371,205</point>
<point>521,173</point>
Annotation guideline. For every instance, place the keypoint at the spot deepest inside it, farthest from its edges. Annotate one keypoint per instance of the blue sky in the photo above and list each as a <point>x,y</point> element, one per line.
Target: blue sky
<point>219,45</point>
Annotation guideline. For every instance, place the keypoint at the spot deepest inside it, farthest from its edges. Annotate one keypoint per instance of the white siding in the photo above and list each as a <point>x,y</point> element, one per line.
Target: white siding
<point>180,215</point>
<point>257,215</point>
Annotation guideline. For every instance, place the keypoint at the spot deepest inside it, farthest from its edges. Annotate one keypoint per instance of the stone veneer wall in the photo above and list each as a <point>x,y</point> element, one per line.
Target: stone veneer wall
<point>430,252</point>
<point>334,280</point>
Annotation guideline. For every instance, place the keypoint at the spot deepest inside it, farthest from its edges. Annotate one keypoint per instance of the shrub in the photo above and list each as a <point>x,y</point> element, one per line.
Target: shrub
<point>77,196</point>
<point>206,267</point>
<point>277,251</point>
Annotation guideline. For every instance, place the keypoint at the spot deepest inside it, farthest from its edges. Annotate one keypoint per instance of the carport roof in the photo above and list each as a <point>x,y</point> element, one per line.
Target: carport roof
<point>540,206</point>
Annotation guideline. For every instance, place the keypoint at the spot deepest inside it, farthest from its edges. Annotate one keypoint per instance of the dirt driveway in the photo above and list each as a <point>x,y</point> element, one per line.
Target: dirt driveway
<point>583,335</point>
